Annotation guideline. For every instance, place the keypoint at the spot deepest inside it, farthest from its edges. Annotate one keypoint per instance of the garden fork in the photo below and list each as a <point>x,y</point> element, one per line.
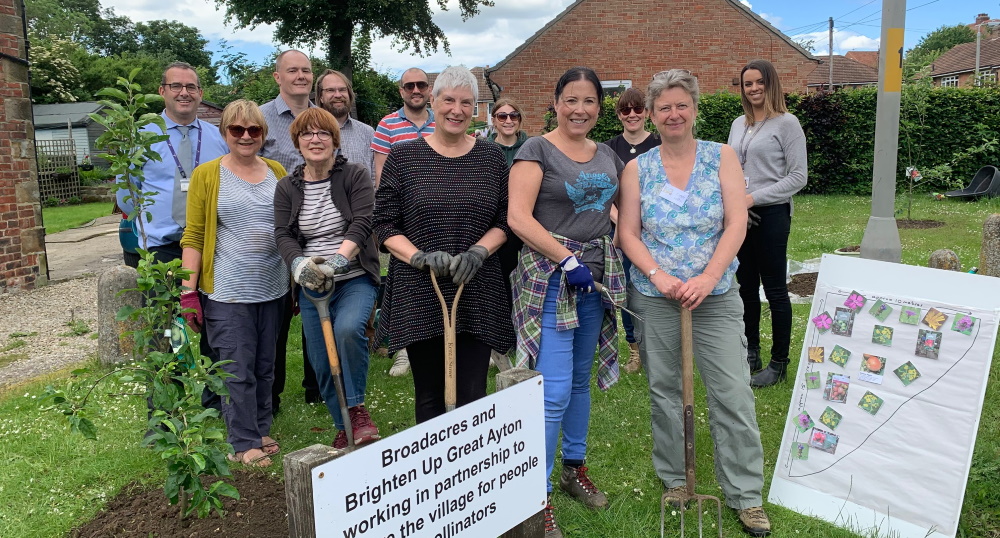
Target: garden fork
<point>450,397</point>
<point>687,375</point>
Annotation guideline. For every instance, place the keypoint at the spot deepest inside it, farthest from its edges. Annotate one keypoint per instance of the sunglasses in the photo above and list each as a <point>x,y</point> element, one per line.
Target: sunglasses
<point>626,110</point>
<point>237,131</point>
<point>418,85</point>
<point>502,116</point>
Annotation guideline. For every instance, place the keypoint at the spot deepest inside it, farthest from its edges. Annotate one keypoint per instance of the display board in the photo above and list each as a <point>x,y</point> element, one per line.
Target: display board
<point>887,398</point>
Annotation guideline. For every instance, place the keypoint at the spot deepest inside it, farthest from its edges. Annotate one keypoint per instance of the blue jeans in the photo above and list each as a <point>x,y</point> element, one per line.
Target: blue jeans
<point>350,306</point>
<point>565,359</point>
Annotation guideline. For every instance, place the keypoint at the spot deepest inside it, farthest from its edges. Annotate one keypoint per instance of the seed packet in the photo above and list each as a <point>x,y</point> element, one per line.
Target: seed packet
<point>928,344</point>
<point>935,319</point>
<point>840,356</point>
<point>831,418</point>
<point>855,302</point>
<point>882,335</point>
<point>909,315</point>
<point>823,322</point>
<point>836,388</point>
<point>800,451</point>
<point>963,324</point>
<point>816,354</point>
<point>907,373</point>
<point>843,322</point>
<point>824,440</point>
<point>812,380</point>
<point>880,310</point>
<point>870,403</point>
<point>803,422</point>
<point>872,369</point>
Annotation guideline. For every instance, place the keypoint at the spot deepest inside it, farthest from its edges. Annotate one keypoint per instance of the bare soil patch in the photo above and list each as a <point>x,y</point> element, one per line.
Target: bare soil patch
<point>914,224</point>
<point>803,284</point>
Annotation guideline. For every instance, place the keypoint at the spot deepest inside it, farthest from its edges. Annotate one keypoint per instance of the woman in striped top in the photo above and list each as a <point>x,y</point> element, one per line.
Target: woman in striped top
<point>228,248</point>
<point>324,208</point>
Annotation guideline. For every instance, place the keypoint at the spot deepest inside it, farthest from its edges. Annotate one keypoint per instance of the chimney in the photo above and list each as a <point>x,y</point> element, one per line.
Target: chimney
<point>981,18</point>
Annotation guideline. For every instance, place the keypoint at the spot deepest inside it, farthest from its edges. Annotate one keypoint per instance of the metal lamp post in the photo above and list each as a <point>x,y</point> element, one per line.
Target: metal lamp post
<point>979,40</point>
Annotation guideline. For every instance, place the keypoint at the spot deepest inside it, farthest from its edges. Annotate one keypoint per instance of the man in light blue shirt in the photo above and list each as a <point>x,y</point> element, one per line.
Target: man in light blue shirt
<point>169,177</point>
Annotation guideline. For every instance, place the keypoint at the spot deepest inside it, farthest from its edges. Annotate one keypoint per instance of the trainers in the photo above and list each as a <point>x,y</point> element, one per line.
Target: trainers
<point>675,496</point>
<point>400,365</point>
<point>551,529</point>
<point>340,441</point>
<point>634,363</point>
<point>365,431</point>
<point>574,481</point>
<point>755,521</point>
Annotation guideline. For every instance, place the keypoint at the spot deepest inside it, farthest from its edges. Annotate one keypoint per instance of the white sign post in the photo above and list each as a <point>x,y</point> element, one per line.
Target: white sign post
<point>477,471</point>
<point>887,398</point>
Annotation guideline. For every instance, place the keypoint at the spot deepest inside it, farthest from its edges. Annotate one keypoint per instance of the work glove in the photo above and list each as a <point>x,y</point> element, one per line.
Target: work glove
<point>312,276</point>
<point>437,261</point>
<point>465,266</point>
<point>577,274</point>
<point>192,310</point>
<point>338,264</point>
<point>753,219</point>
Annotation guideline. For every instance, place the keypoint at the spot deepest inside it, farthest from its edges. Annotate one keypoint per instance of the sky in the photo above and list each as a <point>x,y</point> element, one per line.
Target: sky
<point>488,38</point>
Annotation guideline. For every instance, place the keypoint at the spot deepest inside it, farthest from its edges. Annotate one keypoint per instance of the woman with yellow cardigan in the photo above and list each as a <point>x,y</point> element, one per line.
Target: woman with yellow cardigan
<point>238,280</point>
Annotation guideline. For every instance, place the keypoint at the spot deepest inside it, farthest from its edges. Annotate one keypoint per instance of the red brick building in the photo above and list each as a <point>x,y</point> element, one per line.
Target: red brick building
<point>22,239</point>
<point>627,43</point>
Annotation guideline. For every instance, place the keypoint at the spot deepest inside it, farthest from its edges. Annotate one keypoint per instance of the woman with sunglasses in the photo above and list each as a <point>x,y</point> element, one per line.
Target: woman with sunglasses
<point>772,150</point>
<point>229,248</point>
<point>634,141</point>
<point>324,208</point>
<point>507,128</point>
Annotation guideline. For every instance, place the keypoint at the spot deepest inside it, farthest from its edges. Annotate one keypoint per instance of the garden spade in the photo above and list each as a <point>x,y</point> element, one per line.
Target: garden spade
<point>687,375</point>
<point>450,396</point>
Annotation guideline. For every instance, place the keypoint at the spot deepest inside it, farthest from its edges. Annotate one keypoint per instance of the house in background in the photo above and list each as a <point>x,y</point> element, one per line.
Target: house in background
<point>957,66</point>
<point>626,44</point>
<point>210,112</point>
<point>484,101</point>
<point>66,121</point>
<point>847,73</point>
<point>867,57</point>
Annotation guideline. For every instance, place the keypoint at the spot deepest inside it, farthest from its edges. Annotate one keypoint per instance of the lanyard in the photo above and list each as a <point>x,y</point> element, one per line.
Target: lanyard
<point>197,155</point>
<point>745,149</point>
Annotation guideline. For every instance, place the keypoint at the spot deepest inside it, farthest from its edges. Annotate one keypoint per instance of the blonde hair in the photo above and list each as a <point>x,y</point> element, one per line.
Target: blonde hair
<point>242,109</point>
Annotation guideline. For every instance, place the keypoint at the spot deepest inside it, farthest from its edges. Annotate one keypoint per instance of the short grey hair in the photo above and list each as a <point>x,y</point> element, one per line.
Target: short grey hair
<point>456,76</point>
<point>668,80</point>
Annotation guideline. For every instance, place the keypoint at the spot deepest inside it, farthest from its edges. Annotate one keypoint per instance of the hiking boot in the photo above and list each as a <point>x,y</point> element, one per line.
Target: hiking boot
<point>755,521</point>
<point>753,359</point>
<point>551,529</point>
<point>364,429</point>
<point>772,375</point>
<point>574,481</point>
<point>634,364</point>
<point>340,441</point>
<point>400,365</point>
<point>675,496</point>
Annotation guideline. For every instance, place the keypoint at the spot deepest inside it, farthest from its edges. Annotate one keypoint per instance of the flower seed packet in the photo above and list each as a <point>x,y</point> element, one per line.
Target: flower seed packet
<point>907,373</point>
<point>843,321</point>
<point>935,319</point>
<point>909,315</point>
<point>803,422</point>
<point>880,310</point>
<point>823,322</point>
<point>836,387</point>
<point>870,403</point>
<point>882,335</point>
<point>824,440</point>
<point>872,369</point>
<point>800,451</point>
<point>855,301</point>
<point>831,418</point>
<point>812,380</point>
<point>928,344</point>
<point>839,356</point>
<point>963,324</point>
<point>816,354</point>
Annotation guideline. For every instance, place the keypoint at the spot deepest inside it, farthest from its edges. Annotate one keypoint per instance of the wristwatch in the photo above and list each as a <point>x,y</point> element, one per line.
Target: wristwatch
<point>653,271</point>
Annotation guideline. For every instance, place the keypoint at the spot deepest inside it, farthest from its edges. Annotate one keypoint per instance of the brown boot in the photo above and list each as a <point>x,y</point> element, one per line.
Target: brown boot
<point>634,364</point>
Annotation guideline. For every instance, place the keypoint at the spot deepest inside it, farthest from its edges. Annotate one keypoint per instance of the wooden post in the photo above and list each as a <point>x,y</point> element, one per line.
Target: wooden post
<point>299,490</point>
<point>534,526</point>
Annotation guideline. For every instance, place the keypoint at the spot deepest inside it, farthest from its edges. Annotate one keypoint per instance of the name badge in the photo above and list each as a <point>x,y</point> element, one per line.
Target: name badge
<point>673,195</point>
<point>184,185</point>
<point>746,181</point>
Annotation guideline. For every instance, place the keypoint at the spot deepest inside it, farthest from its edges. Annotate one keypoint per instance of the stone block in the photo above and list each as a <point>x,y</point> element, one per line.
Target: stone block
<point>989,254</point>
<point>26,192</point>
<point>114,344</point>
<point>18,108</point>
<point>944,259</point>
<point>32,240</point>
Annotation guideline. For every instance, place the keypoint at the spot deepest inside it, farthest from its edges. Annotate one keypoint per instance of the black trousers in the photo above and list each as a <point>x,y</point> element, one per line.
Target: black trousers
<point>763,262</point>
<point>309,382</point>
<point>472,363</point>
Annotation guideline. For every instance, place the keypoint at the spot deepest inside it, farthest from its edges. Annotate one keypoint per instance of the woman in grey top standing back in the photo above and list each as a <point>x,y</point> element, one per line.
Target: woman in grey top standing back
<point>772,151</point>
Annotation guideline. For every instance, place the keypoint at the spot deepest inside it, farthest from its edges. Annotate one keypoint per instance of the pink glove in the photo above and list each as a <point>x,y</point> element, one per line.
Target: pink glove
<point>193,316</point>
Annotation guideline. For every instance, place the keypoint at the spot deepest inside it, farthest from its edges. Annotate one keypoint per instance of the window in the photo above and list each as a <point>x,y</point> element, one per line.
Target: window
<point>987,78</point>
<point>951,81</point>
<point>475,110</point>
<point>615,87</point>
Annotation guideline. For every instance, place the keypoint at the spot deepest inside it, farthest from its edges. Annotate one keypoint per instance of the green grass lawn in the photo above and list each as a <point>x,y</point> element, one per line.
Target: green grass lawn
<point>53,481</point>
<point>64,217</point>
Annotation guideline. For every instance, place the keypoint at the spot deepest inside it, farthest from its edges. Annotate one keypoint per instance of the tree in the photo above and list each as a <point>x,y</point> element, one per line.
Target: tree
<point>408,22</point>
<point>176,41</point>
<point>55,77</point>
<point>935,44</point>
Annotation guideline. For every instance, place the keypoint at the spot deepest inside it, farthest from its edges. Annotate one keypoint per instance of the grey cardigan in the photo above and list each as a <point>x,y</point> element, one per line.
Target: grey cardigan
<point>774,158</point>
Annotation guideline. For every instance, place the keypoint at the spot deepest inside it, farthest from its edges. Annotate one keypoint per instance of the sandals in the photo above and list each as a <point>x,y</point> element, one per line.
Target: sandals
<point>269,446</point>
<point>254,457</point>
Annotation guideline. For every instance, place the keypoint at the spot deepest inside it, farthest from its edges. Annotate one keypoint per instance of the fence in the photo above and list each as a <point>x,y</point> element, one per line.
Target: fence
<point>58,176</point>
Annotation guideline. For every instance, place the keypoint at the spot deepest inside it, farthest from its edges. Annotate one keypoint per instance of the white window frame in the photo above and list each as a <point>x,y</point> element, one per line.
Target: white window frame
<point>612,84</point>
<point>950,81</point>
<point>986,77</point>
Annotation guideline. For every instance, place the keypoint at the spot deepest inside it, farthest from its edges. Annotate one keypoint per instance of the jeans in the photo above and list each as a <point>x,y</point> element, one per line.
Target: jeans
<point>565,359</point>
<point>763,261</point>
<point>350,306</point>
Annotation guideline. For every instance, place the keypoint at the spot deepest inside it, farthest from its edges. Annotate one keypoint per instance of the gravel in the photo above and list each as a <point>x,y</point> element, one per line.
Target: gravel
<point>35,333</point>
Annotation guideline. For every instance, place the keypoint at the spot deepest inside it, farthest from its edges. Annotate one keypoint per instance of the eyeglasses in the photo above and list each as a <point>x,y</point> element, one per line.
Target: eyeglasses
<point>502,116</point>
<point>627,110</point>
<point>418,85</point>
<point>309,135</point>
<point>331,91</point>
<point>237,131</point>
<point>176,87</point>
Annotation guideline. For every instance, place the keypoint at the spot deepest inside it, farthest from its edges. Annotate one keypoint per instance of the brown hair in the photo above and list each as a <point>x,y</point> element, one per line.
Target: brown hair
<point>774,97</point>
<point>242,109</point>
<point>632,97</point>
<point>347,82</point>
<point>317,118</point>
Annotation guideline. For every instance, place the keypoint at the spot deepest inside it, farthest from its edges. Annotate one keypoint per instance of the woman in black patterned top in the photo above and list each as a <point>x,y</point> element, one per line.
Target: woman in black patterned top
<point>442,206</point>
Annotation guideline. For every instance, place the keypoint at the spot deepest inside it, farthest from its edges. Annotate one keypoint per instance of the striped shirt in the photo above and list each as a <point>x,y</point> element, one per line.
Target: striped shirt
<point>356,144</point>
<point>396,128</point>
<point>323,226</point>
<point>278,145</point>
<point>248,268</point>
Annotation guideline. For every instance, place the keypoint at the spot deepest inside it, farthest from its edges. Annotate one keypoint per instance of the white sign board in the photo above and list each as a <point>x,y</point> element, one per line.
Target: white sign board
<point>477,471</point>
<point>887,398</point>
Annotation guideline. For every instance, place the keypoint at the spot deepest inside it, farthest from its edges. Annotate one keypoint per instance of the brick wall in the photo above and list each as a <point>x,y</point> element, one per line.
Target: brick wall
<point>22,240</point>
<point>711,38</point>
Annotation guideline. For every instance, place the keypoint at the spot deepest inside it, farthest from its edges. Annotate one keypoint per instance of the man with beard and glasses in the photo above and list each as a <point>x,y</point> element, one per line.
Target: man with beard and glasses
<point>336,94</point>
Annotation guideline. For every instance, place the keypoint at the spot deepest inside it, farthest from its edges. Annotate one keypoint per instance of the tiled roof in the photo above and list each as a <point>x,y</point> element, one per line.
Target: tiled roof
<point>867,57</point>
<point>56,115</point>
<point>962,58</point>
<point>845,71</point>
<point>484,90</point>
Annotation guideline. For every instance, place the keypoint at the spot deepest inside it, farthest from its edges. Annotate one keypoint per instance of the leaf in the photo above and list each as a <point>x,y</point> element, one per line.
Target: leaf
<point>199,462</point>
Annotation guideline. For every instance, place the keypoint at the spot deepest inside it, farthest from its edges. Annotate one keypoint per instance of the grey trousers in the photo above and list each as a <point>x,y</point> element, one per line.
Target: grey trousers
<point>720,354</point>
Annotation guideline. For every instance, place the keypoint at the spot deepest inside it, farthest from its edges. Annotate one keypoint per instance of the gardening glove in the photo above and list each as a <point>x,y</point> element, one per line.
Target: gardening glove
<point>465,266</point>
<point>192,306</point>
<point>337,264</point>
<point>753,219</point>
<point>308,274</point>
<point>437,261</point>
<point>577,274</point>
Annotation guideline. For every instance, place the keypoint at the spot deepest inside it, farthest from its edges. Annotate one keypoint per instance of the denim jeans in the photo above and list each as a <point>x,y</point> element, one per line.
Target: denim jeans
<point>565,359</point>
<point>350,306</point>
<point>763,261</point>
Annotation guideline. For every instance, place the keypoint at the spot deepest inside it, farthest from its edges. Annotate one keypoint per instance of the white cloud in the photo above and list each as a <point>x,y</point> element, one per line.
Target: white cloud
<point>747,4</point>
<point>843,41</point>
<point>775,20</point>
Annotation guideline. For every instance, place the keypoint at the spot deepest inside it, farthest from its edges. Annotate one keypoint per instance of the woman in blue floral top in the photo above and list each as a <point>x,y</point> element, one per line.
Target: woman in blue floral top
<point>681,221</point>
